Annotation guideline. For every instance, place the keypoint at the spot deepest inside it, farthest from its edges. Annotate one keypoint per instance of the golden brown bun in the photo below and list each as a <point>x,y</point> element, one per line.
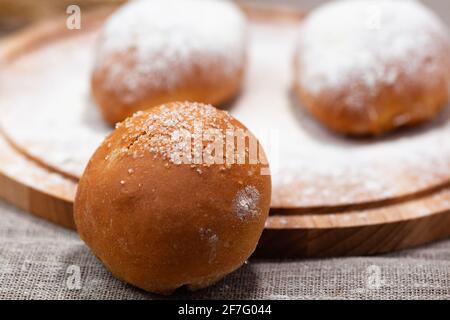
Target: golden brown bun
<point>210,86</point>
<point>153,52</point>
<point>409,101</point>
<point>359,79</point>
<point>160,225</point>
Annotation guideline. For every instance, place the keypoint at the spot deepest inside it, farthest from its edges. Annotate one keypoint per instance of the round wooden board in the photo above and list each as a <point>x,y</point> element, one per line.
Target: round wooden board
<point>49,195</point>
<point>312,168</point>
<point>367,225</point>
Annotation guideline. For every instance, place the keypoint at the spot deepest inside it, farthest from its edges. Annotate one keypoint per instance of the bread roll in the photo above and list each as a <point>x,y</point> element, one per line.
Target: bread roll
<point>367,67</point>
<point>153,52</point>
<point>159,221</point>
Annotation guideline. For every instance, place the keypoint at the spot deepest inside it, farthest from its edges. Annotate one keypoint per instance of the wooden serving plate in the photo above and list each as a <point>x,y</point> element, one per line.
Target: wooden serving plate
<point>374,199</point>
<point>365,231</point>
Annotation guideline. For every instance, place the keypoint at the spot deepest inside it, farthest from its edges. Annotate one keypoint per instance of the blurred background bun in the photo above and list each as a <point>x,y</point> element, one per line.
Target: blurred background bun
<point>152,52</point>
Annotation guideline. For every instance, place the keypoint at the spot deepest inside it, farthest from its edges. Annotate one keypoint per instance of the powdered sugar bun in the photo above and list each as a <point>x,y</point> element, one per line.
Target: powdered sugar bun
<point>151,52</point>
<point>160,224</point>
<point>370,66</point>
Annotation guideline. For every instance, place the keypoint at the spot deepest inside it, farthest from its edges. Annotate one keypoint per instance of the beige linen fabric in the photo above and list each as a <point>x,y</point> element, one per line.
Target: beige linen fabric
<point>39,260</point>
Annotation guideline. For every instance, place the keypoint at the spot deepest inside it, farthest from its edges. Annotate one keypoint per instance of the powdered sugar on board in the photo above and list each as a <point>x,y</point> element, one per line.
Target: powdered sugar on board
<point>46,105</point>
<point>314,167</point>
<point>56,122</point>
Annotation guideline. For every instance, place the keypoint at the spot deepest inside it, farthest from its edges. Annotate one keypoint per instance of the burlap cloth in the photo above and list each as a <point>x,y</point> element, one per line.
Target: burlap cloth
<point>37,261</point>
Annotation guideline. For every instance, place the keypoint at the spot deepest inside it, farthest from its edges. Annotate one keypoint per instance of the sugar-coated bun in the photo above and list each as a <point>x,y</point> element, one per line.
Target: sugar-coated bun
<point>153,52</point>
<point>158,221</point>
<point>366,67</point>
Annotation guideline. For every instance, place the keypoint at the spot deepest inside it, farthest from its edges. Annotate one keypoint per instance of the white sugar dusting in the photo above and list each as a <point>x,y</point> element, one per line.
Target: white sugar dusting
<point>55,120</point>
<point>159,132</point>
<point>167,35</point>
<point>312,166</point>
<point>246,202</point>
<point>367,42</point>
